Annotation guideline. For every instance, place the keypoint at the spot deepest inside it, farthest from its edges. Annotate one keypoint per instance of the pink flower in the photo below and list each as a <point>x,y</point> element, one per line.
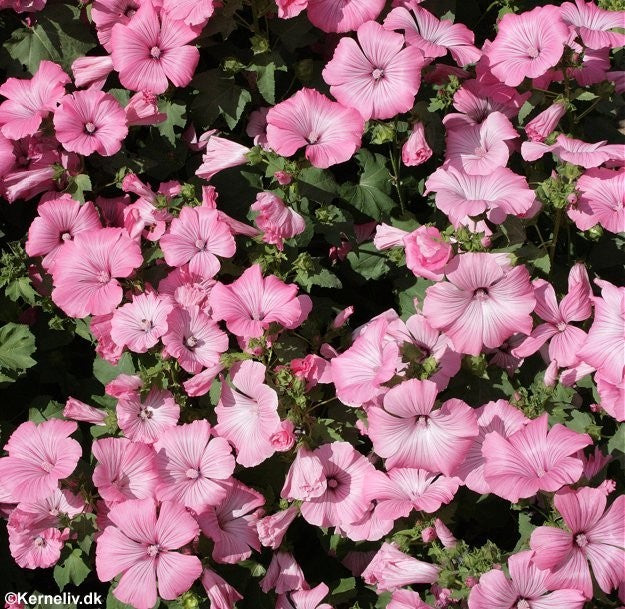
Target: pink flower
<point>499,416</point>
<point>276,220</point>
<point>248,415</point>
<point>305,599</point>
<point>139,324</point>
<point>30,101</point>
<point>232,524</point>
<point>252,302</point>
<point>462,197</point>
<point>152,48</point>
<point>424,31</point>
<point>427,252</point>
<point>192,465</point>
<point>283,438</point>
<point>360,371</point>
<point>526,588</point>
<point>345,472</point>
<point>125,470</point>
<point>305,479</point>
<point>594,24</point>
<point>479,97</point>
<point>147,419</point>
<point>86,270</point>
<point>79,411</point>
<point>532,459</point>
<point>482,304</point>
<point>575,151</point>
<point>329,131</point>
<point>190,12</point>
<point>430,344</point>
<point>387,236</point>
<point>404,489</point>
<point>612,396</point>
<point>391,569</point>
<point>478,149</point>
<point>416,149</point>
<point>90,121</point>
<point>565,339</point>
<point>596,536</point>
<point>544,123</point>
<point>142,109</point>
<point>603,349</point>
<point>601,201</point>
<point>7,157</point>
<point>527,45</point>
<point>57,222</point>
<point>220,593</point>
<point>409,432</point>
<point>39,456</point>
<point>194,339</point>
<point>198,236</point>
<point>376,75</point>
<point>272,529</point>
<point>35,540</point>
<point>37,548</point>
<point>406,599</point>
<point>349,15</point>
<point>140,544</point>
<point>219,154</point>
<point>288,9</point>
<point>92,72</point>
<point>312,369</point>
<point>108,13</point>
<point>283,574</point>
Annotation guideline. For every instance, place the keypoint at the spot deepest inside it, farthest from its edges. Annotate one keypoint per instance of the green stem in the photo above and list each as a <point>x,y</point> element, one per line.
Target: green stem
<point>588,110</point>
<point>395,163</point>
<point>556,230</point>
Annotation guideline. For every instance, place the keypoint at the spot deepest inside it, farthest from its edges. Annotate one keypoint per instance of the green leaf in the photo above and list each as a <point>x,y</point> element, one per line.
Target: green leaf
<point>79,185</point>
<point>106,372</point>
<point>21,288</point>
<point>73,569</point>
<point>58,35</point>
<point>617,441</point>
<point>370,194</point>
<point>525,531</point>
<point>52,410</point>
<point>176,117</point>
<point>321,277</point>
<point>317,184</point>
<point>84,527</point>
<point>218,95</point>
<point>368,261</point>
<point>17,344</point>
<point>265,68</point>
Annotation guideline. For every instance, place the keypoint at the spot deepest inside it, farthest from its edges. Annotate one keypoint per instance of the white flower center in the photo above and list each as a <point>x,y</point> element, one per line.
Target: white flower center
<point>533,51</point>
<point>155,52</point>
<point>46,466</point>
<point>192,473</point>
<point>103,277</point>
<point>191,342</point>
<point>89,127</point>
<point>153,550</point>
<point>377,74</point>
<point>145,414</point>
<point>581,540</point>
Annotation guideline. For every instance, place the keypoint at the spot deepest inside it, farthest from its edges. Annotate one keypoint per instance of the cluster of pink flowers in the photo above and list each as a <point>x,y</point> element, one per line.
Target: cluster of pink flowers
<point>166,482</point>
